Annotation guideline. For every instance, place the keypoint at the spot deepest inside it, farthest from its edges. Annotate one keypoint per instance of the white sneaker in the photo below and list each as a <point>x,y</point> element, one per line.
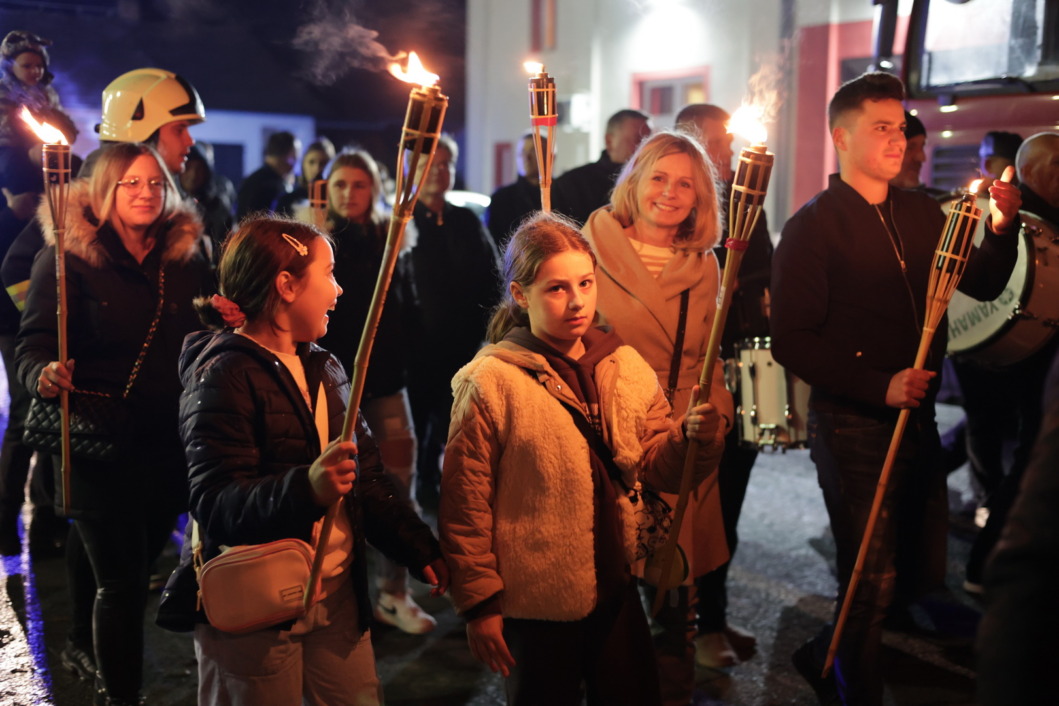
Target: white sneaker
<point>400,611</point>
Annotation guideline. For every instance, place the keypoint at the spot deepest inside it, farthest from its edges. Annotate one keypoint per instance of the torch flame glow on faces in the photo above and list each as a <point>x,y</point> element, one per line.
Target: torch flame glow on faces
<point>415,73</point>
<point>533,67</point>
<point>45,132</point>
<point>747,122</point>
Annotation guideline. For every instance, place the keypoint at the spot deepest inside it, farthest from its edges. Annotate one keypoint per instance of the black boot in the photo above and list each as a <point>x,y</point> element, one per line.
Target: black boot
<point>78,661</point>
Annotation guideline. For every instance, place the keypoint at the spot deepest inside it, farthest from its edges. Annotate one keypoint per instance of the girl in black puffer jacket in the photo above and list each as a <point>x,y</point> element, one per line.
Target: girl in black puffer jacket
<point>260,403</point>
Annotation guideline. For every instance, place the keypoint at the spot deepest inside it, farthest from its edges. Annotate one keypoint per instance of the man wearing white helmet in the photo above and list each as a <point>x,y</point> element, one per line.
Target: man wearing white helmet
<point>152,106</point>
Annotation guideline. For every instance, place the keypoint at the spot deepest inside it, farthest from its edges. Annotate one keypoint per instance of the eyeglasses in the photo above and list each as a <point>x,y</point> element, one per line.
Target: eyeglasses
<point>135,185</point>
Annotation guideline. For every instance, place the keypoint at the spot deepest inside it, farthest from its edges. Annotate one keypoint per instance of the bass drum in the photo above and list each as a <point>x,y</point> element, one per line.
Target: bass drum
<point>773,404</point>
<point>1024,317</point>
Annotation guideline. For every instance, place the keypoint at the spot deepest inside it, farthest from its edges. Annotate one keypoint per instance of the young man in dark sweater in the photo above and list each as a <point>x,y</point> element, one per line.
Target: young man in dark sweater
<point>849,295</point>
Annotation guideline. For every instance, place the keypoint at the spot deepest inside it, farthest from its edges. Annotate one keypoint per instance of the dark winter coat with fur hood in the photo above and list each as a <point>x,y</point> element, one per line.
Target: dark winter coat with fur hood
<point>111,300</point>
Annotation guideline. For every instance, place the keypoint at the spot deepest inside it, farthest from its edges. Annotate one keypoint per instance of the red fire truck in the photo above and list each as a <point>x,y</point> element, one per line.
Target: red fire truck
<point>971,66</point>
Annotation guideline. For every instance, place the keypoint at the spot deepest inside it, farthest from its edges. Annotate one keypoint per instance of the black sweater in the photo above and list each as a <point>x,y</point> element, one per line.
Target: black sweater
<point>844,317</point>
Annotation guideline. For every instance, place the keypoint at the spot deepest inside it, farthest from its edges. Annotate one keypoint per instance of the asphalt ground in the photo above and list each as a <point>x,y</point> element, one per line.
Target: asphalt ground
<point>781,588</point>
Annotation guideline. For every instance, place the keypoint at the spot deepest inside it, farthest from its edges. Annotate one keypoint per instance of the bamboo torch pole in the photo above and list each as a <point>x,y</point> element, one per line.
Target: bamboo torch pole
<point>55,166</point>
<point>543,114</point>
<point>422,127</point>
<point>950,260</point>
<point>747,198</point>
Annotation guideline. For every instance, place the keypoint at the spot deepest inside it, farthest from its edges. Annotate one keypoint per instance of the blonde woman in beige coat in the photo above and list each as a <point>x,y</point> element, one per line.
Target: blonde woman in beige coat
<point>653,243</point>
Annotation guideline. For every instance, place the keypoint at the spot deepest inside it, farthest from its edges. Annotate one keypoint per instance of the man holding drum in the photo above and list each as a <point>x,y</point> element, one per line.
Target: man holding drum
<point>849,282</point>
<point>1037,162</point>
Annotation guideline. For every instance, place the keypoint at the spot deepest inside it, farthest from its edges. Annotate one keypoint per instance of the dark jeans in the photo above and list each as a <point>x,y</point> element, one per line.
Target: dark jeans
<point>431,407</point>
<point>607,654</point>
<point>121,548</point>
<point>909,537</point>
<point>733,476</point>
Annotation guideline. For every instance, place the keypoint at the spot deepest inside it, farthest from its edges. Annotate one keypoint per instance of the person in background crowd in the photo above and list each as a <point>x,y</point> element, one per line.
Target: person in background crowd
<point>24,81</point>
<point>454,265</point>
<point>314,165</point>
<point>262,189</point>
<point>720,644</point>
<point>212,191</point>
<point>359,229</point>
<point>510,204</point>
<point>553,424</point>
<point>1037,164</point>
<point>997,152</point>
<point>133,265</point>
<point>849,283</point>
<point>654,248</point>
<point>1017,655</point>
<point>914,159</point>
<point>582,190</point>
<point>982,389</point>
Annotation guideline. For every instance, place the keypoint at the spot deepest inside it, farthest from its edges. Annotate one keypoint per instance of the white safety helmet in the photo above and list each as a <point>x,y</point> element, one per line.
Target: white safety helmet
<point>139,102</point>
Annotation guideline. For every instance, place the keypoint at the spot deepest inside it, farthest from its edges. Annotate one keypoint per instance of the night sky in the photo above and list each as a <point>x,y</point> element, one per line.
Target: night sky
<point>315,57</point>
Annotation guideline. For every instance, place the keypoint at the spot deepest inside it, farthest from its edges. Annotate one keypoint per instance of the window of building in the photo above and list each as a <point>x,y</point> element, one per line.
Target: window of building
<point>663,95</point>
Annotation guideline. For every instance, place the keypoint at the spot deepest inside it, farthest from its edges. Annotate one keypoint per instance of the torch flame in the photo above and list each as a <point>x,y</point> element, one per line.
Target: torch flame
<point>44,131</point>
<point>415,73</point>
<point>975,186</point>
<point>533,67</point>
<point>747,122</point>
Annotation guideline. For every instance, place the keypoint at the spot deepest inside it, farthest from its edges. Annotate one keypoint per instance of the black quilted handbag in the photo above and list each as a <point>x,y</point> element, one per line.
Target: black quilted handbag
<point>98,421</point>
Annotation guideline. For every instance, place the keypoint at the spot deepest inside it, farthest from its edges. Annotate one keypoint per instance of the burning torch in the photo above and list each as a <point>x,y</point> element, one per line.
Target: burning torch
<point>950,260</point>
<point>747,199</point>
<point>419,139</point>
<point>55,163</point>
<point>543,114</point>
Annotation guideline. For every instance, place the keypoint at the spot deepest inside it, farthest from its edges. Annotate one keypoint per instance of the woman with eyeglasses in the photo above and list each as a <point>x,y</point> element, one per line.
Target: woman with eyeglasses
<point>134,262</point>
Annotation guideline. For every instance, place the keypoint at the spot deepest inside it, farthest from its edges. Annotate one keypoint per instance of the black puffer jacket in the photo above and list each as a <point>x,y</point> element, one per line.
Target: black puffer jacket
<point>250,440</point>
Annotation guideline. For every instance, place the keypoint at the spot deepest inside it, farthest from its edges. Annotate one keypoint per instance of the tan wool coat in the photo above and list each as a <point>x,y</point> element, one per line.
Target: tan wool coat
<point>644,311</point>
<point>516,513</point>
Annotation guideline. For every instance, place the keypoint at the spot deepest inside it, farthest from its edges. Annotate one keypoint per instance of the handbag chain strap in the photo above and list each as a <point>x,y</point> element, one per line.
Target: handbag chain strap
<point>146,343</point>
<point>678,346</point>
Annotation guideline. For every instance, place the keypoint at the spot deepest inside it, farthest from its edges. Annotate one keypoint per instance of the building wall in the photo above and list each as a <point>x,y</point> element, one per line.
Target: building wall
<point>604,46</point>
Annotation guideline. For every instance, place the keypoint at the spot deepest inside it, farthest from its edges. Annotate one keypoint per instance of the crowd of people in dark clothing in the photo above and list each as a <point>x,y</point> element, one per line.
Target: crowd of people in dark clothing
<point>533,376</point>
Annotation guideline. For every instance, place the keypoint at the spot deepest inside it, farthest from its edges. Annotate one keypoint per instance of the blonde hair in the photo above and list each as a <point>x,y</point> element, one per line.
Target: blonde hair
<point>539,237</point>
<point>705,215</point>
<point>111,166</point>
